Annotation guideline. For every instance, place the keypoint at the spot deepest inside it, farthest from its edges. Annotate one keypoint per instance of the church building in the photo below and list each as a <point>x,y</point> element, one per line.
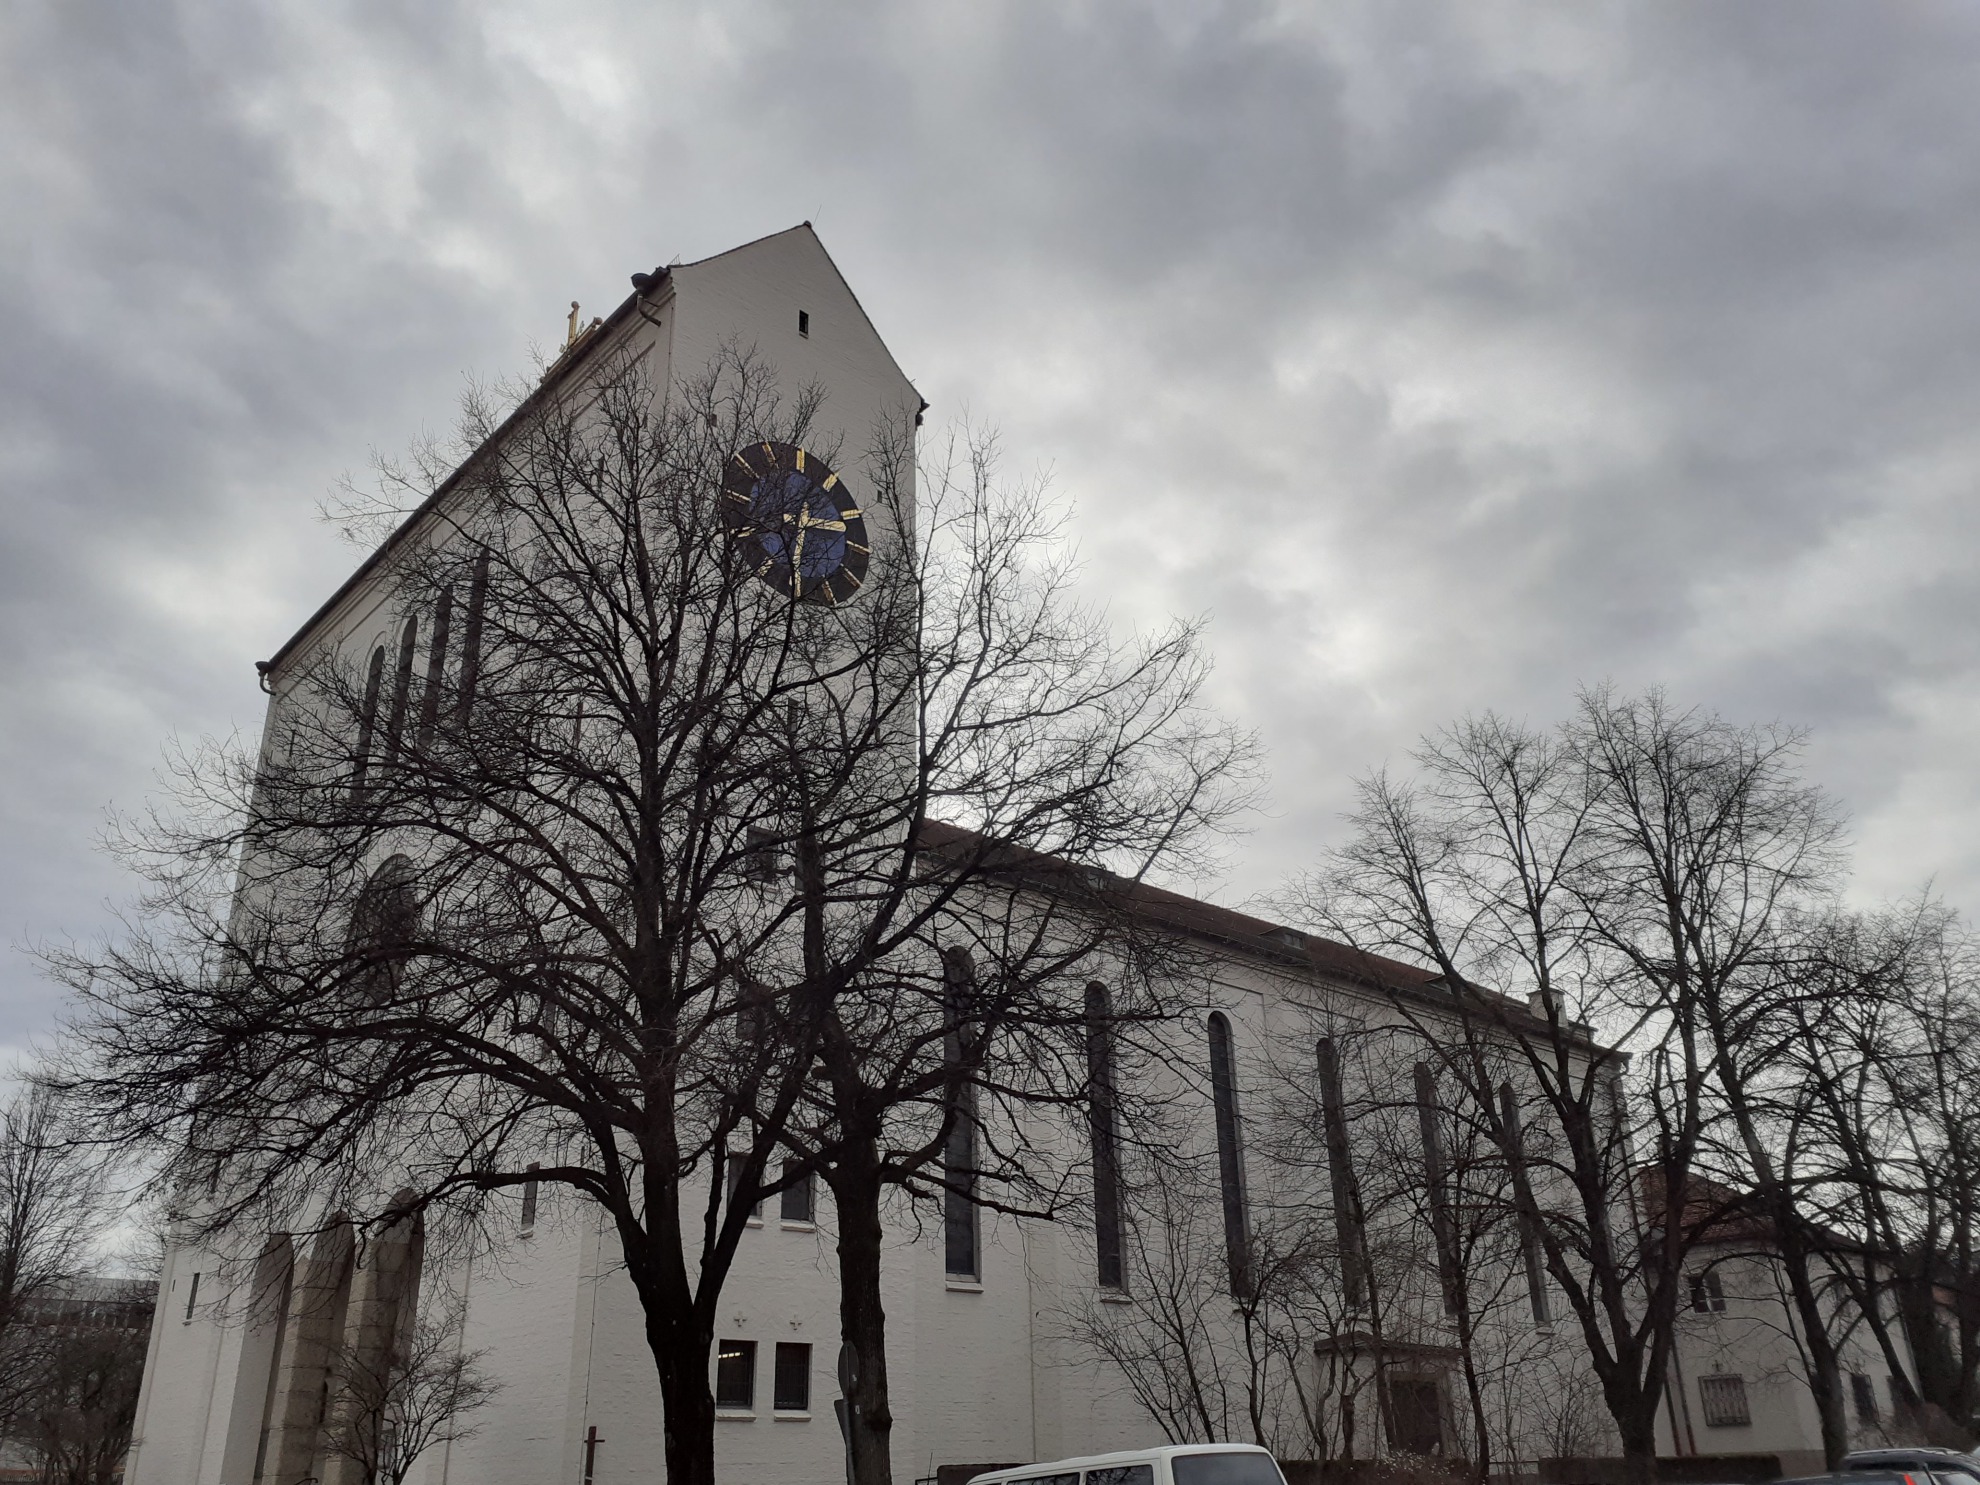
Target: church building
<point>1011,1340</point>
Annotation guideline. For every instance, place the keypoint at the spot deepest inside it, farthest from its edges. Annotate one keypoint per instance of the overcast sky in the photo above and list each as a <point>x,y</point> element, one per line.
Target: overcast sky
<point>1446,356</point>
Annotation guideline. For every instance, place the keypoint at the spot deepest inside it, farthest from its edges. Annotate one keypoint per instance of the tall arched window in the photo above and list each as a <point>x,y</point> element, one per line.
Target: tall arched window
<point>1529,1229</point>
<point>960,1232</point>
<point>1436,1183</point>
<point>471,635</point>
<point>1348,1229</point>
<point>1230,1153</point>
<point>384,924</point>
<point>436,666</point>
<point>395,730</point>
<point>368,719</point>
<point>1110,1271</point>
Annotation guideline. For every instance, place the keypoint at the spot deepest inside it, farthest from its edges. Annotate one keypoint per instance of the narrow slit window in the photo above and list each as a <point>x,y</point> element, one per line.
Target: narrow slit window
<point>804,323</point>
<point>395,731</point>
<point>192,1296</point>
<point>368,717</point>
<point>436,666</point>
<point>1349,1231</point>
<point>1230,1154</point>
<point>1443,1237</point>
<point>531,1189</point>
<point>1529,1229</point>
<point>1110,1271</point>
<point>961,1255</point>
<point>471,636</point>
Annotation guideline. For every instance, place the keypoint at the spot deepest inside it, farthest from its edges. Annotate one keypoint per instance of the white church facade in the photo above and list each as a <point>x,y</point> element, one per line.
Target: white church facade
<point>1010,1339</point>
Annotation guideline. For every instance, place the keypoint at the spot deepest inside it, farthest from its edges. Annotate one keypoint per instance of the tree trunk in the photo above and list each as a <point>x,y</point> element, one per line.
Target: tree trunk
<point>1824,1367</point>
<point>1638,1428</point>
<point>681,1344</point>
<point>855,1186</point>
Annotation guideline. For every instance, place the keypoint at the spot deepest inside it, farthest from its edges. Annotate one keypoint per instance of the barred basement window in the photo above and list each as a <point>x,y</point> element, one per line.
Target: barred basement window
<point>1724,1398</point>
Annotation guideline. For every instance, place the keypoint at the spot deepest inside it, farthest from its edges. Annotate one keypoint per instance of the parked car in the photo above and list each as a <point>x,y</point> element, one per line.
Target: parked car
<point>1963,1467</point>
<point>1172,1464</point>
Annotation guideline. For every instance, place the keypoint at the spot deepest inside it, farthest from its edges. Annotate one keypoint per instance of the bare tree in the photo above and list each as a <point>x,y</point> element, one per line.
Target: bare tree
<point>77,1421</point>
<point>1884,1072</point>
<point>578,876</point>
<point>403,1400</point>
<point>1620,886</point>
<point>53,1206</point>
<point>1205,1363</point>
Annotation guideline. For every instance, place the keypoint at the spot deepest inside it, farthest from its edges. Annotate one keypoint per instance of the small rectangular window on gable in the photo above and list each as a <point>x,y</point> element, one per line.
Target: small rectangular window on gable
<point>804,322</point>
<point>1708,1295</point>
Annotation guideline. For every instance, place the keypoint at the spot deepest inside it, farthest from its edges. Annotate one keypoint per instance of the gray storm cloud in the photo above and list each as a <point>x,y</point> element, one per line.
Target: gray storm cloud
<point>1447,355</point>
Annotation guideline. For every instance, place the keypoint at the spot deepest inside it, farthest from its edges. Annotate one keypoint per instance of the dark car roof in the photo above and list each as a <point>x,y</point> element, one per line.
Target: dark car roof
<point>1916,1451</point>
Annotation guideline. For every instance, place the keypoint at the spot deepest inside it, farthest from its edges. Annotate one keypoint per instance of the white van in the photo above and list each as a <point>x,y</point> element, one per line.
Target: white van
<point>1173,1464</point>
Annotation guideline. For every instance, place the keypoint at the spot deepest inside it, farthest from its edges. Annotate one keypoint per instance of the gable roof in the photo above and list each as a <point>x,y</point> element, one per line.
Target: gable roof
<point>646,287</point>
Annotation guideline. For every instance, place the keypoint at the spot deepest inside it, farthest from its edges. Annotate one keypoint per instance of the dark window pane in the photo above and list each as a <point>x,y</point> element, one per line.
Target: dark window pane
<point>735,1374</point>
<point>1122,1474</point>
<point>1231,1468</point>
<point>734,1178</point>
<point>1416,1415</point>
<point>797,1204</point>
<point>793,1385</point>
